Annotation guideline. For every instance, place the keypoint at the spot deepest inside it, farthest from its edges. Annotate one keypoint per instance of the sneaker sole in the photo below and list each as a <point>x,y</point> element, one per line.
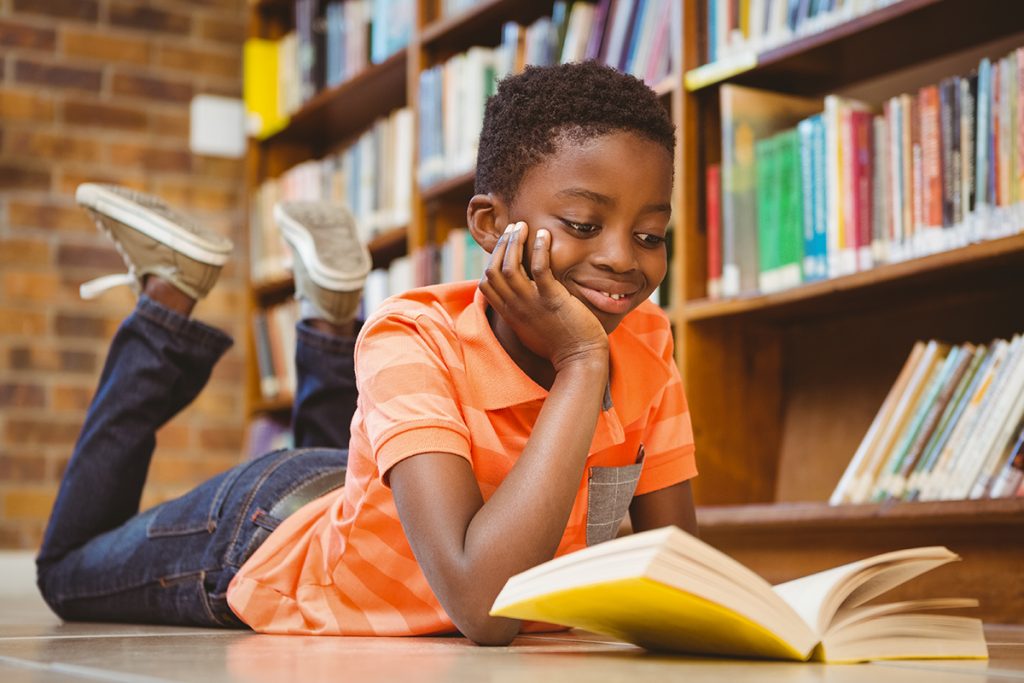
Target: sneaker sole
<point>110,204</point>
<point>328,278</point>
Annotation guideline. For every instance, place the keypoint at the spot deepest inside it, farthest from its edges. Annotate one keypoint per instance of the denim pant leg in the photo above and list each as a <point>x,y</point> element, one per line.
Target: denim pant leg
<point>325,398</point>
<point>173,563</point>
<point>157,363</point>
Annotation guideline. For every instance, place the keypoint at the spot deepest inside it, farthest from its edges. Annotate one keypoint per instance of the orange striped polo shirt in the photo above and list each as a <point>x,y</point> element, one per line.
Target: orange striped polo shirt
<point>432,377</point>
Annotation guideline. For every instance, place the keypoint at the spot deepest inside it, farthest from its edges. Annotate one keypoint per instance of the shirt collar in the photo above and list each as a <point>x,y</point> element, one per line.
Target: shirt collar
<point>496,379</point>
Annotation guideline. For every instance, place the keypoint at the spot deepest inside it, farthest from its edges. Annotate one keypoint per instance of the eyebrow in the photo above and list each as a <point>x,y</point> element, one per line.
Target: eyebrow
<point>605,200</point>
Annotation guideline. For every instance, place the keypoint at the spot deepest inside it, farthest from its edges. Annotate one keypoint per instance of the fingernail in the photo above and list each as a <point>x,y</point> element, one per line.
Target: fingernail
<point>508,229</point>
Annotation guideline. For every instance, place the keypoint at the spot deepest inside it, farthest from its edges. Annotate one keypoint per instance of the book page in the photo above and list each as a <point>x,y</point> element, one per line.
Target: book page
<point>817,597</point>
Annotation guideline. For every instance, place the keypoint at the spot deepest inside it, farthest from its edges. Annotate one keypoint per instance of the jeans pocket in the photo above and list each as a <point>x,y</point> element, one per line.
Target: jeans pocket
<point>609,493</point>
<point>198,511</point>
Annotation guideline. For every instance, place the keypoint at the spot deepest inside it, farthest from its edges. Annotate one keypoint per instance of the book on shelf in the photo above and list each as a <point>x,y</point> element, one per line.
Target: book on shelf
<point>950,428</point>
<point>458,258</point>
<point>261,60</point>
<point>754,26</point>
<point>273,331</point>
<point>451,8</point>
<point>666,590</point>
<point>780,238</point>
<point>347,42</point>
<point>713,221</point>
<point>748,115</point>
<point>925,172</point>
<point>391,23</point>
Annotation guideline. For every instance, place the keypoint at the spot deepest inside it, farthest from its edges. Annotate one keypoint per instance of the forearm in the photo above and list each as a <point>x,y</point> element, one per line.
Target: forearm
<point>522,523</point>
<point>528,512</point>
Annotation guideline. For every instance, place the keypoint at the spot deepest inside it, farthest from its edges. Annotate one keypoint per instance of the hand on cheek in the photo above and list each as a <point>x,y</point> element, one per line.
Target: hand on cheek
<point>544,316</point>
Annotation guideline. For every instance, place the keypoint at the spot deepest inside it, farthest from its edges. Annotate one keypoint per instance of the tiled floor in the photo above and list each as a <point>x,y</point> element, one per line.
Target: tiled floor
<point>36,646</point>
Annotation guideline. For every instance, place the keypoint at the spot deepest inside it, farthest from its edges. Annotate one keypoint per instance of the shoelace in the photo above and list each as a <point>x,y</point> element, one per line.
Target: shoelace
<point>93,288</point>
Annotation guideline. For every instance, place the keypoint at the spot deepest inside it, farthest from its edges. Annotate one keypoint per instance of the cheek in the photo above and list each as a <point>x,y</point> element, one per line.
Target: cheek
<point>563,254</point>
<point>655,267</point>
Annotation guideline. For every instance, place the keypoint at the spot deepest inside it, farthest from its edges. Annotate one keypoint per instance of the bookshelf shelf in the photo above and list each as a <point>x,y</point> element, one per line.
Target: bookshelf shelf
<point>341,112</point>
<point>272,406</point>
<point>480,24</point>
<point>271,5</point>
<point>388,245</point>
<point>1001,257</point>
<point>275,289</point>
<point>450,188</point>
<point>866,46</point>
<point>1004,511</point>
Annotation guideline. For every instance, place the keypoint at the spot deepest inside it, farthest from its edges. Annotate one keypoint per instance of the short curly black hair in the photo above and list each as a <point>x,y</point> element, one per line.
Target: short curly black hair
<point>534,110</point>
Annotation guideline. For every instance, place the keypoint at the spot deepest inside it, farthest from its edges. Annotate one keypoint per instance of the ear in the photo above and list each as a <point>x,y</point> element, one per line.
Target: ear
<point>487,217</point>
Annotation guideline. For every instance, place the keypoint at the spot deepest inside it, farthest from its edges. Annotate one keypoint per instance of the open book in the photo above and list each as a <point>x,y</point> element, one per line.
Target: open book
<point>667,590</point>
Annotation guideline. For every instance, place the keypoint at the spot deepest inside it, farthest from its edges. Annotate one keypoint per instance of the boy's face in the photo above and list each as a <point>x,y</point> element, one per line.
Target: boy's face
<point>606,202</point>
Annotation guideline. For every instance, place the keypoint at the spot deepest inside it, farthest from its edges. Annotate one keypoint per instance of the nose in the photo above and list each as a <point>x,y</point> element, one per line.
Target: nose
<point>615,250</point>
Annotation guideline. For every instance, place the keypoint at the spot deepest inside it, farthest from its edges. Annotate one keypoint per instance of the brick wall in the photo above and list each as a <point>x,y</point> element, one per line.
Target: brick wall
<point>100,90</point>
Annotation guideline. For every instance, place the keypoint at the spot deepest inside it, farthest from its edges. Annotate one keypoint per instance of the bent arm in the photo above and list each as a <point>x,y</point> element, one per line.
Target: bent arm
<point>468,549</point>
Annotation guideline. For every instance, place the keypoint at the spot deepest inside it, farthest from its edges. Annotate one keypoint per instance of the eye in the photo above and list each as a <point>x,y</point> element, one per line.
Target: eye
<point>582,228</point>
<point>649,240</point>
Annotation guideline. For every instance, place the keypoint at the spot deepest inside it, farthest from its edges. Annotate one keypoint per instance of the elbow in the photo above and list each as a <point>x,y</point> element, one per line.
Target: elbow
<point>490,631</point>
<point>472,620</point>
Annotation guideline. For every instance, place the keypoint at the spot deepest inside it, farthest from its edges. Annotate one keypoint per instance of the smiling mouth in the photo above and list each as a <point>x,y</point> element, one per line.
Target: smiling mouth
<point>603,301</point>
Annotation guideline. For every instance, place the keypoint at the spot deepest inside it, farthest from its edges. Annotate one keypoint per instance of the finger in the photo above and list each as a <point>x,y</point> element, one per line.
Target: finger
<point>492,273</point>
<point>511,264</point>
<point>540,263</point>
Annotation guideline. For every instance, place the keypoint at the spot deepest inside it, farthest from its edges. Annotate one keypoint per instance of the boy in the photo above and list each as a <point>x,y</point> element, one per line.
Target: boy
<point>498,423</point>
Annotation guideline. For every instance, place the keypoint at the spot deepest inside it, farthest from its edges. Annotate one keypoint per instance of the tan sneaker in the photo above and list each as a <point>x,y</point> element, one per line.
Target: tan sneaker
<point>153,239</point>
<point>330,263</point>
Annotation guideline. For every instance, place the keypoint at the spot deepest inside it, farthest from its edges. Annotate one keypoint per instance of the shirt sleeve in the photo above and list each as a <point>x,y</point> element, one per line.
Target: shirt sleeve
<point>668,437</point>
<point>406,393</point>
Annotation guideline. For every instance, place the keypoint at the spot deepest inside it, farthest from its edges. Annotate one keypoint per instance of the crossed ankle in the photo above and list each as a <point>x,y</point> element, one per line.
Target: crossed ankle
<point>167,295</point>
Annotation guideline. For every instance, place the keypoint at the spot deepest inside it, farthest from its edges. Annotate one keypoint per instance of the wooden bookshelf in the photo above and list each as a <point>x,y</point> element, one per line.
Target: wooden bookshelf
<point>781,387</point>
<point>445,190</point>
<point>479,24</point>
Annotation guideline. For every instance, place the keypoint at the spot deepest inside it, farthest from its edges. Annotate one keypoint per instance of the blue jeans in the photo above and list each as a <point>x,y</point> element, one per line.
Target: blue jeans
<point>102,561</point>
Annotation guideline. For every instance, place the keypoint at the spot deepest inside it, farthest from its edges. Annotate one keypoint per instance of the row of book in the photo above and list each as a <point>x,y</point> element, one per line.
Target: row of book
<point>332,42</point>
<point>451,8</point>
<point>636,36</point>
<point>459,257</point>
<point>803,194</point>
<point>372,177</point>
<point>951,427</point>
<point>273,331</point>
<point>752,26</point>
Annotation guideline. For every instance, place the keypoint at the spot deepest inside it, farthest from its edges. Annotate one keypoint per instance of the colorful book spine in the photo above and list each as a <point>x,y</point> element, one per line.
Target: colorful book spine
<point>713,189</point>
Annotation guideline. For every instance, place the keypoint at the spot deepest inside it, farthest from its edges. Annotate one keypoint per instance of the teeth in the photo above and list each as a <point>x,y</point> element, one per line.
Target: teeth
<point>614,297</point>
